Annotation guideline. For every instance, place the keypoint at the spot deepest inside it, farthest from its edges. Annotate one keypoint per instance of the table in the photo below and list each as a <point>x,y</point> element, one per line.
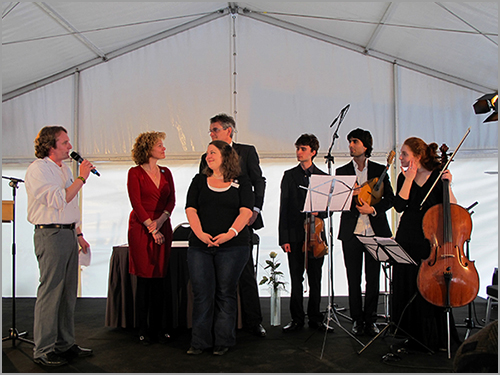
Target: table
<point>122,286</point>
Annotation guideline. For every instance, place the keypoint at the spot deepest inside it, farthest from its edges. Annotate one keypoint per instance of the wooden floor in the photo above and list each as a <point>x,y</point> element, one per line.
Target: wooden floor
<point>118,350</point>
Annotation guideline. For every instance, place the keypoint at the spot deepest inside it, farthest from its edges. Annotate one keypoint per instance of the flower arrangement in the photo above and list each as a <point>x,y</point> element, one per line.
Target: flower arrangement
<point>275,276</point>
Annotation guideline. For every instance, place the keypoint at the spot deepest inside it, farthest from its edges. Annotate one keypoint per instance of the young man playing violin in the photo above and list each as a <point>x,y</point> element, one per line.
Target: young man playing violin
<point>367,220</point>
<point>292,236</point>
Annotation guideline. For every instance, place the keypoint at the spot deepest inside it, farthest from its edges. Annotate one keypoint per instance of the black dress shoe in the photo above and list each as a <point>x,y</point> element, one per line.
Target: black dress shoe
<point>145,340</point>
<point>76,351</point>
<point>164,338</point>
<point>220,350</point>
<point>320,326</point>
<point>292,326</point>
<point>357,329</point>
<point>50,359</point>
<point>258,330</point>
<point>371,329</point>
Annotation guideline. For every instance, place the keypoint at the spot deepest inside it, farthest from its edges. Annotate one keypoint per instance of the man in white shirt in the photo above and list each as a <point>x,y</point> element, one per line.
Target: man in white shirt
<point>53,209</point>
<point>363,219</point>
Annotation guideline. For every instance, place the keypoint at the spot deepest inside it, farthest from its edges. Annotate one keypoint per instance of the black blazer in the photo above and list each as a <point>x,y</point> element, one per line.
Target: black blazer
<point>292,198</point>
<point>378,222</point>
<point>250,166</point>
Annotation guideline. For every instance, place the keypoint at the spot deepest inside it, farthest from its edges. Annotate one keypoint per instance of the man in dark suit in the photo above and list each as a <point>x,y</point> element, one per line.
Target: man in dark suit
<point>363,219</point>
<point>292,236</point>
<point>223,127</point>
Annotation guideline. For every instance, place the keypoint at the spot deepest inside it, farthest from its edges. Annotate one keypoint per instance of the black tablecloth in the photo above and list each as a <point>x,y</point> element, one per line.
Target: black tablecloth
<point>120,306</point>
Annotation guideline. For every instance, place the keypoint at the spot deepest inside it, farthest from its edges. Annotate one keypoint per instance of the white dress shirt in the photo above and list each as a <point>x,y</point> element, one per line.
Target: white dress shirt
<point>363,226</point>
<point>46,184</point>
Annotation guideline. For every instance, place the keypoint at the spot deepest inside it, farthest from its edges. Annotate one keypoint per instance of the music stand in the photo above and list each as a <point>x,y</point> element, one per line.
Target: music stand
<point>386,249</point>
<point>14,334</point>
<point>330,194</point>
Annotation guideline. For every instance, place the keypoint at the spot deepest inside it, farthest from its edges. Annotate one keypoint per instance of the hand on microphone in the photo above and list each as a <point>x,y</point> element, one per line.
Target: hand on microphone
<point>85,168</point>
<point>74,155</point>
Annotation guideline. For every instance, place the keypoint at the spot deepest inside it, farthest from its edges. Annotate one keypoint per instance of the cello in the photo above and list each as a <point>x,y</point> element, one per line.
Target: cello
<point>447,278</point>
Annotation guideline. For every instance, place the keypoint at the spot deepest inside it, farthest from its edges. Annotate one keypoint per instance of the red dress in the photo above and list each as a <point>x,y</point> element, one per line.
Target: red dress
<point>146,258</point>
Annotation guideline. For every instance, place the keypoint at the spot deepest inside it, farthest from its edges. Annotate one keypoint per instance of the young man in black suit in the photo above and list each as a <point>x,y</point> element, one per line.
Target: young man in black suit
<point>292,236</point>
<point>367,220</point>
<point>223,127</point>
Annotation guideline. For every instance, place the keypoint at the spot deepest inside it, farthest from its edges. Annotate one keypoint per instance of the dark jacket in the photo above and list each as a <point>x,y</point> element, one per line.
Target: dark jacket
<point>292,198</point>
<point>378,222</point>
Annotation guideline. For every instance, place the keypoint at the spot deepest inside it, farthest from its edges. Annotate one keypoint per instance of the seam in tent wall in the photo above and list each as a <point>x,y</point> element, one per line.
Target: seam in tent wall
<point>360,49</point>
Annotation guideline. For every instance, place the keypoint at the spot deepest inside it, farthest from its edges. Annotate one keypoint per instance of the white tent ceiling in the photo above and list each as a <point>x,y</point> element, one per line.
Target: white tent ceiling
<point>457,42</point>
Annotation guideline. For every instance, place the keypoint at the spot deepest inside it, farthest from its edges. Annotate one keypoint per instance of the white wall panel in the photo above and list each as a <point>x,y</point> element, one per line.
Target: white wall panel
<point>441,112</point>
<point>174,86</point>
<point>289,84</point>
<point>24,116</point>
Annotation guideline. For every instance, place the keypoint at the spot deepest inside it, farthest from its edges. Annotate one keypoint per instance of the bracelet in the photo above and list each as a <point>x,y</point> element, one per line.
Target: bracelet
<point>234,230</point>
<point>167,213</point>
<point>81,179</point>
<point>155,231</point>
<point>79,234</point>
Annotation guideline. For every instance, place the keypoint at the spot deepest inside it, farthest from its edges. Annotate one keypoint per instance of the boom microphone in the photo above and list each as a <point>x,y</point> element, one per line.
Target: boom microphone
<point>79,159</point>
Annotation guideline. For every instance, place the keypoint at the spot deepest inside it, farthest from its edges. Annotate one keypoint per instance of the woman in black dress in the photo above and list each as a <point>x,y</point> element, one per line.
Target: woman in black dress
<point>420,167</point>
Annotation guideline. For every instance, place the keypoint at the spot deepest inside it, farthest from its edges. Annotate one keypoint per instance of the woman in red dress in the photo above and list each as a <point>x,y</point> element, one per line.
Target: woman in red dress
<point>152,195</point>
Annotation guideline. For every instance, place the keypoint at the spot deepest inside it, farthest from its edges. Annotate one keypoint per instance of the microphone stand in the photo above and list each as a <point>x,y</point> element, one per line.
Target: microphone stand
<point>330,160</point>
<point>13,332</point>
<point>469,321</point>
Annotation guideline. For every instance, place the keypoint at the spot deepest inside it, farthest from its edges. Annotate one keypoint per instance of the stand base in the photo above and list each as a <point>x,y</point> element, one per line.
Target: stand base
<point>15,335</point>
<point>331,316</point>
<point>470,325</point>
<point>391,324</point>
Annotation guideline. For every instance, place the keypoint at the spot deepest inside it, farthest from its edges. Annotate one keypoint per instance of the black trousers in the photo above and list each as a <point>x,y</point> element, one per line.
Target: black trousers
<point>354,251</point>
<point>249,293</point>
<point>296,263</point>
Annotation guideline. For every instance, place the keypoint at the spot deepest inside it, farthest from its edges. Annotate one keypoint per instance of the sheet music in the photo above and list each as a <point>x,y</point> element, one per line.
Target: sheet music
<point>320,191</point>
<point>395,251</point>
<point>373,247</point>
<point>385,248</point>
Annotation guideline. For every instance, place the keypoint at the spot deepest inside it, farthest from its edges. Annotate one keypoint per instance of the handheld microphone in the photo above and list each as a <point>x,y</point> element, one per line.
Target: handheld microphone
<point>79,159</point>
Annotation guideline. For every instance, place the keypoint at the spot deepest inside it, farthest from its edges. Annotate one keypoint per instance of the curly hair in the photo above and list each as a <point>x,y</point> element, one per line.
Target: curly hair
<point>144,143</point>
<point>46,139</point>
<point>230,166</point>
<point>429,158</point>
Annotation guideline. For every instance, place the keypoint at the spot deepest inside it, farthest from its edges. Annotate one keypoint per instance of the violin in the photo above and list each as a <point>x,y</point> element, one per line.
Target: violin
<point>314,227</point>
<point>447,278</point>
<point>372,190</point>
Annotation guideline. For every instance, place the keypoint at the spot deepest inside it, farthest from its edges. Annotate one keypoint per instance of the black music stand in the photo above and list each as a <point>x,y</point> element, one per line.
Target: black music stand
<point>13,332</point>
<point>330,194</point>
<point>386,249</point>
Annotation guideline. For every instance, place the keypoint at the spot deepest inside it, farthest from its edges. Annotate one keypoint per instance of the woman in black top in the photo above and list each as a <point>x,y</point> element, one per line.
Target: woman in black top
<point>420,167</point>
<point>218,207</point>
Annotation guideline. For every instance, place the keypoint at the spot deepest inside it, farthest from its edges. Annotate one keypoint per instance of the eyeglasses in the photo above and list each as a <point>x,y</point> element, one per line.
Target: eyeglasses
<point>215,130</point>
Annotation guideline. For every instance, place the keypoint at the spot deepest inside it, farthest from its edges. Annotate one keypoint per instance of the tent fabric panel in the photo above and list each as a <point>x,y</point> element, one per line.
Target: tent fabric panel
<point>442,112</point>
<point>174,86</point>
<point>114,28</point>
<point>53,55</point>
<point>300,85</point>
<point>23,117</point>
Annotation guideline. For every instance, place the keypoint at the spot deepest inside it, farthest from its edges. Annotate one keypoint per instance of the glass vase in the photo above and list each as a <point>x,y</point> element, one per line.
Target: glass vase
<point>275,306</point>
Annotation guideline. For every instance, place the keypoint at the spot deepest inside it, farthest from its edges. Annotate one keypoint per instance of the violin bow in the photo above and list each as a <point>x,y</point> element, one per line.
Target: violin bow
<point>445,167</point>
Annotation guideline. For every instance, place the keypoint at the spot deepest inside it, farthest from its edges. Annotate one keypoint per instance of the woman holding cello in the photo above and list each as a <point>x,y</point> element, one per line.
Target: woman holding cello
<point>420,167</point>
